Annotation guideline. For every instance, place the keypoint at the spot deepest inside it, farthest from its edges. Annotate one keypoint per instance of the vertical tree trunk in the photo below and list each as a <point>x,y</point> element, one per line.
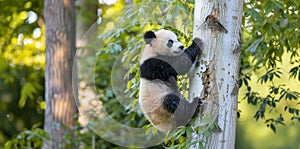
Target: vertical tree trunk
<point>60,52</point>
<point>215,78</point>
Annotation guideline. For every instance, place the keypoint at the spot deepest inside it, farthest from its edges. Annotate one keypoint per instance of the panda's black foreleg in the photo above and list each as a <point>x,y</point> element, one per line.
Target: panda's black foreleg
<point>184,62</point>
<point>193,50</point>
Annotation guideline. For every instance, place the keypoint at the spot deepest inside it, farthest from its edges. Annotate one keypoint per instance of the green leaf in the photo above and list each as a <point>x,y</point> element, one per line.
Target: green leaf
<point>201,146</point>
<point>27,92</point>
<point>268,7</point>
<point>8,145</point>
<point>291,110</point>
<point>276,27</point>
<point>181,139</point>
<point>273,127</point>
<point>253,47</point>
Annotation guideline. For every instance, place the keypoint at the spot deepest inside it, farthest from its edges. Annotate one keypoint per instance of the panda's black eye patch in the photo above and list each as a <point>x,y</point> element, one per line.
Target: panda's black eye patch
<point>170,43</point>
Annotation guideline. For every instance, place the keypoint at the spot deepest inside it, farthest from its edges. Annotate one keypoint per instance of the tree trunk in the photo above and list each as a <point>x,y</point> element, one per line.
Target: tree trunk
<point>215,77</point>
<point>60,52</point>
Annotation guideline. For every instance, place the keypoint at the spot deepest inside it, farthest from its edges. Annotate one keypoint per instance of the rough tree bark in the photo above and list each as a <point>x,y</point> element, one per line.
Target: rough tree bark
<point>60,52</point>
<point>215,77</point>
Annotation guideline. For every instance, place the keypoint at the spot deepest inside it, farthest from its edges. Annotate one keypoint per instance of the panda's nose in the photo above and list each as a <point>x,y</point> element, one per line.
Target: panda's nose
<point>181,47</point>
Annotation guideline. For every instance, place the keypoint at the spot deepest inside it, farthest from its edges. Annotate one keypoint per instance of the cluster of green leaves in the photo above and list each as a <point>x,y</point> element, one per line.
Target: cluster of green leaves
<point>35,137</point>
<point>21,66</point>
<point>271,38</point>
<point>178,138</point>
<point>182,136</point>
<point>32,139</point>
<point>117,40</point>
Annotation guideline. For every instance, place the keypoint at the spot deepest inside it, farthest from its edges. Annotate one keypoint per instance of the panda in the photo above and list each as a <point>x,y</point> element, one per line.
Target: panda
<point>163,59</point>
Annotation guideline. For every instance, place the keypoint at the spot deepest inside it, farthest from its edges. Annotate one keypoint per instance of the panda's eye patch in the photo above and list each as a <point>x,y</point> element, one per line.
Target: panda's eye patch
<point>170,43</point>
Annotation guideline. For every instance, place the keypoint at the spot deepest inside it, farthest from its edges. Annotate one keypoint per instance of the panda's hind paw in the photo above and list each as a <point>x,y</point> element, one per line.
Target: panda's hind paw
<point>200,100</point>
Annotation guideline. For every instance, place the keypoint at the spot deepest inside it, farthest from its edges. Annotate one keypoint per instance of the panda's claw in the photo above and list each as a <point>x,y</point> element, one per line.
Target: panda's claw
<point>199,100</point>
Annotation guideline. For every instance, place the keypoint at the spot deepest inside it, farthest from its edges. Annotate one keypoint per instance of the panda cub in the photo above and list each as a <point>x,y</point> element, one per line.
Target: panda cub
<point>163,59</point>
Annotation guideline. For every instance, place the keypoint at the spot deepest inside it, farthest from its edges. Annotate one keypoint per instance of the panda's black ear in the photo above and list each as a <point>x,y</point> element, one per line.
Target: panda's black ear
<point>149,36</point>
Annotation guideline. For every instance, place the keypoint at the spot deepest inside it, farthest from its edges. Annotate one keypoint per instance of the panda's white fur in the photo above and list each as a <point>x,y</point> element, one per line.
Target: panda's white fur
<point>163,58</point>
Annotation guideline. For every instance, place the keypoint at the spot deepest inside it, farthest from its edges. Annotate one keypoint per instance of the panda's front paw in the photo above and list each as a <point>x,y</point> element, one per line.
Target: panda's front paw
<point>198,42</point>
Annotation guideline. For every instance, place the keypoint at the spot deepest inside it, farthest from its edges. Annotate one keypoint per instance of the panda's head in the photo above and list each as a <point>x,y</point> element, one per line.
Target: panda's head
<point>164,42</point>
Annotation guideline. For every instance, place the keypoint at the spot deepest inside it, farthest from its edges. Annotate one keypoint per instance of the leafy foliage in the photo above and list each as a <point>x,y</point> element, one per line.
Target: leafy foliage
<point>271,38</point>
<point>21,66</point>
<point>32,138</point>
<point>295,71</point>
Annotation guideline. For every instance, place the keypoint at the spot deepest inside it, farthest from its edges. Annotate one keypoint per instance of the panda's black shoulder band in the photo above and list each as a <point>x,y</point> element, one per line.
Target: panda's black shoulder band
<point>155,68</point>
<point>149,36</point>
